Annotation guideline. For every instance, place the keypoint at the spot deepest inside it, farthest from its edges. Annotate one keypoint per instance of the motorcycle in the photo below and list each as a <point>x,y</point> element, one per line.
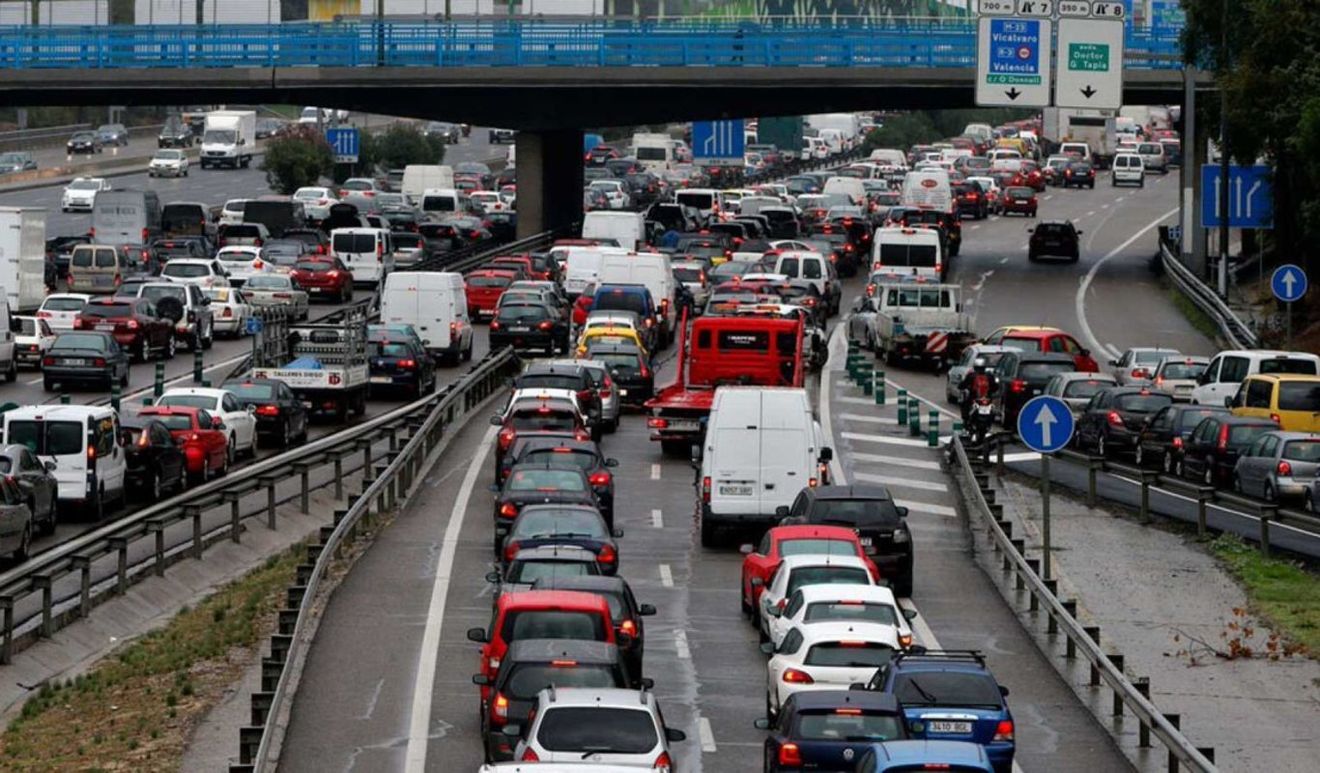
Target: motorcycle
<point>980,418</point>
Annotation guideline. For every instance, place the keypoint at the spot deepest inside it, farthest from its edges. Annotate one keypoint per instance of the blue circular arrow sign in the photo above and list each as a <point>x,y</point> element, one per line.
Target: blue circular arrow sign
<point>1288,283</point>
<point>1045,424</point>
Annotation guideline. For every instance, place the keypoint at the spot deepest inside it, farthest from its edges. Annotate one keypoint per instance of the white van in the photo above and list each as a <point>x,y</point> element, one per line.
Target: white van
<point>367,252</point>
<point>582,267</point>
<point>627,229</point>
<point>834,139</point>
<point>81,445</point>
<point>654,272</point>
<point>655,152</point>
<point>1229,369</point>
<point>707,201</point>
<point>815,148</point>
<point>444,201</point>
<point>847,186</point>
<point>8,356</point>
<point>1000,154</point>
<point>927,189</point>
<point>907,252</point>
<point>435,304</point>
<point>1128,168</point>
<point>762,447</point>
<point>890,157</point>
<point>1152,155</point>
<point>420,178</point>
<point>1079,149</point>
<point>810,266</point>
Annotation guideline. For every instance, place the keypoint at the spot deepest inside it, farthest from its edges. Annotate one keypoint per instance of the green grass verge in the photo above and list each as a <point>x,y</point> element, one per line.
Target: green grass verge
<point>1282,593</point>
<point>1199,319</point>
<point>136,709</point>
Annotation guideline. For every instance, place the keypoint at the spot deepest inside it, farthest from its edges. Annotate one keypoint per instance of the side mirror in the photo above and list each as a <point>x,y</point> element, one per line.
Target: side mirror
<point>50,466</point>
<point>1031,230</point>
<point>768,648</point>
<point>826,455</point>
<point>493,578</point>
<point>647,683</point>
<point>646,610</point>
<point>781,511</point>
<point>902,511</point>
<point>1086,352</point>
<point>1079,233</point>
<point>217,422</point>
<point>1113,363</point>
<point>611,462</point>
<point>674,735</point>
<point>745,549</point>
<point>761,724</point>
<point>1002,689</point>
<point>496,421</point>
<point>481,680</point>
<point>1228,402</point>
<point>618,533</point>
<point>909,614</point>
<point>857,686</point>
<point>477,635</point>
<point>774,611</point>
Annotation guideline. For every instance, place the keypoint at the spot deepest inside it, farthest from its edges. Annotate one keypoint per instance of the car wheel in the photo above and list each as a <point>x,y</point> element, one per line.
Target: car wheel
<point>98,512</point>
<point>11,375</point>
<point>1270,494</point>
<point>231,453</point>
<point>47,385</point>
<point>707,534</point>
<point>52,516</point>
<point>181,485</point>
<point>1310,502</point>
<point>1237,484</point>
<point>123,382</point>
<point>24,548</point>
<point>156,486</point>
<point>210,338</point>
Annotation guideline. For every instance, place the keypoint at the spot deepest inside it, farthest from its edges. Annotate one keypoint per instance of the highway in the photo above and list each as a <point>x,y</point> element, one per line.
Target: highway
<point>363,703</point>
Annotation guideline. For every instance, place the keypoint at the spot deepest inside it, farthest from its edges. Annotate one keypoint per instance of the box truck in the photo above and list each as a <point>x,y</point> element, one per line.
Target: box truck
<point>23,257</point>
<point>229,138</point>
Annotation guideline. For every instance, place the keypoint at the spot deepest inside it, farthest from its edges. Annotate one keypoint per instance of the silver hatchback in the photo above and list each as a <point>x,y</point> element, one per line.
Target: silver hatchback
<point>1279,465</point>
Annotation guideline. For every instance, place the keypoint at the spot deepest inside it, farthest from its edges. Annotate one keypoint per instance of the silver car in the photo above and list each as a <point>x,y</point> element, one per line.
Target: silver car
<point>1279,465</point>
<point>275,290</point>
<point>1177,376</point>
<point>1076,389</point>
<point>954,377</point>
<point>610,403</point>
<point>16,525</point>
<point>1137,365</point>
<point>35,482</point>
<point>692,273</point>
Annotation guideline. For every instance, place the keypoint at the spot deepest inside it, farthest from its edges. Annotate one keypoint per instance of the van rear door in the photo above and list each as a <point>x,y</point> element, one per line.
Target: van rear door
<point>784,448</point>
<point>64,442</point>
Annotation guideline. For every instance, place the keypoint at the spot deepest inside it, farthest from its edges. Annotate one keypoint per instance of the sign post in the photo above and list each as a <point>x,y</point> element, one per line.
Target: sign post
<point>1289,284</point>
<point>1045,425</point>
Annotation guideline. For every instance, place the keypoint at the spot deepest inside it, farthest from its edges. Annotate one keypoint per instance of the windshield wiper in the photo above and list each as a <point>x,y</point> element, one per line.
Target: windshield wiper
<point>917,686</point>
<point>598,750</point>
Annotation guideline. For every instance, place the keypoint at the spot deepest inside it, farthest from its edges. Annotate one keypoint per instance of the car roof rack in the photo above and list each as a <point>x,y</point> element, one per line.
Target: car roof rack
<point>966,656</point>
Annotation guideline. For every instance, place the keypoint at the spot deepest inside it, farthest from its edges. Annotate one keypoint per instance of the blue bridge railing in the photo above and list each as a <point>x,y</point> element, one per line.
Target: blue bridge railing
<point>915,43</point>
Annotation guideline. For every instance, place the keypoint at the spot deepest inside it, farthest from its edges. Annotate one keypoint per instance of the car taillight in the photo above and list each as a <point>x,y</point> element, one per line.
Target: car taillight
<point>45,315</point>
<point>1177,442</point>
<point>530,755</point>
<point>705,489</point>
<point>509,510</point>
<point>644,371</point>
<point>1223,438</point>
<point>145,233</point>
<point>380,251</point>
<point>655,422</point>
<point>1018,385</point>
<point>407,364</point>
<point>91,453</point>
<point>256,242</point>
<point>1004,730</point>
<point>1285,468</point>
<point>790,755</point>
<point>1138,373</point>
<point>1274,417</point>
<point>794,676</point>
<point>47,361</point>
<point>258,265</point>
<point>547,325</point>
<point>268,410</point>
<point>1115,419</point>
<point>133,323</point>
<point>663,763</point>
<point>501,707</point>
<point>99,362</point>
<point>629,627</point>
<point>77,323</point>
<point>506,437</point>
<point>600,478</point>
<point>607,555</point>
<point>510,551</point>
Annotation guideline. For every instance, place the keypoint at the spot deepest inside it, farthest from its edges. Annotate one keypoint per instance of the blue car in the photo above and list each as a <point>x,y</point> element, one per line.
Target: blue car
<point>950,695</point>
<point>829,730</point>
<point>954,756</point>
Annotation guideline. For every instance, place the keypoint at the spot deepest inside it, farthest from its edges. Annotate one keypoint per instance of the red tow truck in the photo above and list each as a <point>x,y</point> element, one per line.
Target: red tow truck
<point>744,350</point>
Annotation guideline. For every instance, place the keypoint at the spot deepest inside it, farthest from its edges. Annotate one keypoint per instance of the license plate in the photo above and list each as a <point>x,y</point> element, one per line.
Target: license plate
<point>623,393</point>
<point>307,403</point>
<point>519,329</point>
<point>735,491</point>
<point>983,409</point>
<point>945,726</point>
<point>866,541</point>
<point>683,425</point>
<point>381,380</point>
<point>313,289</point>
<point>108,326</point>
<point>73,361</point>
<point>1021,201</point>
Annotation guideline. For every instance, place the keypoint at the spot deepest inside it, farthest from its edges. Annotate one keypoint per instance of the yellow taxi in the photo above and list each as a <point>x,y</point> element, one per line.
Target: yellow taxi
<point>1291,400</point>
<point>610,334</point>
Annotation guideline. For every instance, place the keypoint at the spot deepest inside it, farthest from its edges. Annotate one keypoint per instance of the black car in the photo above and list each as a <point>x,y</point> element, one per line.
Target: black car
<point>281,415</point>
<point>1211,452</point>
<point>175,134</point>
<point>526,326</point>
<point>578,525</point>
<point>628,367</point>
<point>531,665</point>
<point>85,357</point>
<point>583,454</point>
<point>625,612</point>
<point>315,239</point>
<point>1022,376</point>
<point>1115,416</point>
<point>826,729</point>
<point>1055,239</point>
<point>947,221</point>
<point>532,564</point>
<point>880,523</point>
<point>537,483</point>
<point>155,463</point>
<point>83,143</point>
<point>1078,173</point>
<point>398,362</point>
<point>59,251</point>
<point>1165,434</point>
<point>971,201</point>
<point>563,375</point>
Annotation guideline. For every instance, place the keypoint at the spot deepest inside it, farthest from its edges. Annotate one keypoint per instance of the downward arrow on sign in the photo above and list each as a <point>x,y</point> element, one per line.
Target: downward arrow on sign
<point>1013,93</point>
<point>1088,92</point>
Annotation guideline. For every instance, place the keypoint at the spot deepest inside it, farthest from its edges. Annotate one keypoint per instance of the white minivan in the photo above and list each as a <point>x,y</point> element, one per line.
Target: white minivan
<point>626,229</point>
<point>1128,168</point>
<point>367,252</point>
<point>435,304</point>
<point>846,186</point>
<point>654,272</point>
<point>81,445</point>
<point>762,447</point>
<point>582,267</point>
<point>903,252</point>
<point>1228,369</point>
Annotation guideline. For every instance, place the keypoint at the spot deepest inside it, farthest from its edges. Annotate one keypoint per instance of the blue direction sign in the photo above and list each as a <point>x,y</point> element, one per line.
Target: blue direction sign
<point>1045,424</point>
<point>1288,283</point>
<point>718,139</point>
<point>1250,197</point>
<point>253,326</point>
<point>345,142</point>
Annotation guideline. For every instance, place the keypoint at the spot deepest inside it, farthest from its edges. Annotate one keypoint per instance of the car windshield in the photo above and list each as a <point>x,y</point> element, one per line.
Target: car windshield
<point>816,546</point>
<point>597,729</point>
<point>552,624</point>
<point>91,341</point>
<point>850,611</point>
<point>848,654</point>
<point>251,391</point>
<point>1147,403</point>
<point>169,155</point>
<point>1182,370</point>
<point>526,680</point>
<point>528,572</point>
<point>268,282</point>
<point>1299,396</point>
<point>826,575</point>
<point>947,688</point>
<point>1085,388</point>
<point>546,480</point>
<point>186,270</point>
<point>848,725</point>
<point>546,523</point>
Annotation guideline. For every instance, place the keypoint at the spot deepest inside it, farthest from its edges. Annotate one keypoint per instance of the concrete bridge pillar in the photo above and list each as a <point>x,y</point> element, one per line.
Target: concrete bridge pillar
<point>549,180</point>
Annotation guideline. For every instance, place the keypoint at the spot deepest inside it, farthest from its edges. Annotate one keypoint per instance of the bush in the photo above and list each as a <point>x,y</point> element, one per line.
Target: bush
<point>399,146</point>
<point>297,159</point>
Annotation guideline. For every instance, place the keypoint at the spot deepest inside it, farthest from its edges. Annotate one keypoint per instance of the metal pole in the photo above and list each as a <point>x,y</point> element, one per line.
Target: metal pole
<point>1287,313</point>
<point>1045,513</point>
<point>1223,153</point>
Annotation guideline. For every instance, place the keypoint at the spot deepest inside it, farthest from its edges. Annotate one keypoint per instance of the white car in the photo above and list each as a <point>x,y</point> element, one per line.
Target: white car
<point>491,201</point>
<point>230,310</point>
<point>799,571</point>
<point>61,309</point>
<point>537,394</point>
<point>168,162</point>
<point>829,656</point>
<point>1178,376</point>
<point>232,212</point>
<point>316,202</point>
<point>614,192</point>
<point>242,262</point>
<point>80,194</point>
<point>1137,364</point>
<point>609,727</point>
<point>240,421</point>
<point>33,337</point>
<point>819,604</point>
<point>202,272</point>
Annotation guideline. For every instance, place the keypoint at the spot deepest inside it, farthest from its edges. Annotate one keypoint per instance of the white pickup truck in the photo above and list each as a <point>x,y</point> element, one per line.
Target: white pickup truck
<point>328,368</point>
<point>920,321</point>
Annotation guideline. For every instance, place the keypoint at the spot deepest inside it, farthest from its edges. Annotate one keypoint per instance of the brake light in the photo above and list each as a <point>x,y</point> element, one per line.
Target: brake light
<point>1138,373</point>
<point>1177,442</point>
<point>1018,385</point>
<point>380,251</point>
<point>530,755</point>
<point>663,762</point>
<point>99,362</point>
<point>506,437</point>
<point>599,478</point>
<point>607,555</point>
<point>91,453</point>
<point>1115,419</point>
<point>790,755</point>
<point>1004,731</point>
<point>47,361</point>
<point>656,422</point>
<point>645,371</point>
<point>268,410</point>
<point>501,707</point>
<point>145,233</point>
<point>508,510</point>
<point>1223,438</point>
<point>813,482</point>
<point>629,627</point>
<point>794,676</point>
<point>258,265</point>
<point>1285,468</point>
<point>705,489</point>
<point>1274,417</point>
<point>510,551</point>
<point>547,325</point>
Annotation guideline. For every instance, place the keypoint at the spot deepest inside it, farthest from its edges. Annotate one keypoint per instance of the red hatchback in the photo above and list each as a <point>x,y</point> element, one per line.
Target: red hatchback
<point>202,437</point>
<point>326,278</point>
<point>761,561</point>
<point>1019,200</point>
<point>134,322</point>
<point>483,288</point>
<point>1044,339</point>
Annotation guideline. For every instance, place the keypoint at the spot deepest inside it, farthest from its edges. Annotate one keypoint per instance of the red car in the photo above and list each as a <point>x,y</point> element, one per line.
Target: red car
<point>1032,177</point>
<point>1019,200</point>
<point>484,286</point>
<point>324,277</point>
<point>762,560</point>
<point>519,263</point>
<point>134,322</point>
<point>1044,339</point>
<point>205,445</point>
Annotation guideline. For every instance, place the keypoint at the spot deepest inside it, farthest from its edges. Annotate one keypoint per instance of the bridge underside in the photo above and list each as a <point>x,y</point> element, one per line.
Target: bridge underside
<point>543,98</point>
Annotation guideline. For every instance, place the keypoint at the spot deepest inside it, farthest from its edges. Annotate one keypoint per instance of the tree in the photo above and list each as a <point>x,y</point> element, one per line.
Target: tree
<point>297,159</point>
<point>399,146</point>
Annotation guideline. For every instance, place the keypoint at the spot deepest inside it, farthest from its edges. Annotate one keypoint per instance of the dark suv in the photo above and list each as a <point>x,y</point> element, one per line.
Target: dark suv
<point>528,326</point>
<point>1022,376</point>
<point>1055,239</point>
<point>1212,450</point>
<point>881,525</point>
<point>971,200</point>
<point>546,375</point>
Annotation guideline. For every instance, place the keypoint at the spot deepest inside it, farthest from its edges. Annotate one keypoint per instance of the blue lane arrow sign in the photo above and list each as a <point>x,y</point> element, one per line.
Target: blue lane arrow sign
<point>1045,424</point>
<point>1288,282</point>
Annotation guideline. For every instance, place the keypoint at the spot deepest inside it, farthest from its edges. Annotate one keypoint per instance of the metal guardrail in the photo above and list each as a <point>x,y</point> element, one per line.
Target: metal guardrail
<point>24,138</point>
<point>1235,331</point>
<point>1062,618</point>
<point>259,743</point>
<point>919,43</point>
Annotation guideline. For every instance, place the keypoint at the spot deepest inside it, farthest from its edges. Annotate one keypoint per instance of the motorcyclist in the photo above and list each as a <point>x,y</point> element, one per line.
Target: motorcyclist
<point>977,383</point>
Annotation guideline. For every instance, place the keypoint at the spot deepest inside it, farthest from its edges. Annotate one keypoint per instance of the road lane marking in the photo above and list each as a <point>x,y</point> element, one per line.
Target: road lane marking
<point>896,460</point>
<point>707,735</point>
<point>1090,214</point>
<point>929,509</point>
<point>1080,301</point>
<point>861,401</point>
<point>1002,261</point>
<point>894,480</point>
<point>657,519</point>
<point>655,471</point>
<point>896,441</point>
<point>681,644</point>
<point>419,728</point>
<point>666,576</point>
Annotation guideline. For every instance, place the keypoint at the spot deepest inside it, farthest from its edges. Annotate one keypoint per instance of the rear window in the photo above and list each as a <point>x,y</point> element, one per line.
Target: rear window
<point>826,575</point>
<point>188,401</point>
<point>527,680</point>
<point>1143,403</point>
<point>186,270</point>
<point>48,438</point>
<point>1019,193</point>
<point>1299,396</point>
<point>1153,355</point>
<point>175,422</point>
<point>569,458</point>
<point>547,422</point>
<point>314,266</point>
<point>489,281</point>
<point>546,480</point>
<point>514,314</point>
<point>1183,370</point>
<point>617,360</point>
<point>1041,371</point>
<point>1190,418</point>
<point>252,391</point>
<point>107,310</point>
<point>909,255</point>
<point>848,725</point>
<point>93,341</point>
<point>850,611</point>
<point>949,688</point>
<point>1288,365</point>
<point>620,301</point>
<point>1084,389</point>
<point>621,731</point>
<point>155,292</point>
<point>549,381</point>
<point>386,349</point>
<point>696,200</point>
<point>552,624</point>
<point>354,244</point>
<point>63,304</point>
<point>1244,434</point>
<point>855,512</point>
<point>546,523</point>
<point>1302,450</point>
<point>848,654</point>
<point>528,572</point>
<point>817,546</point>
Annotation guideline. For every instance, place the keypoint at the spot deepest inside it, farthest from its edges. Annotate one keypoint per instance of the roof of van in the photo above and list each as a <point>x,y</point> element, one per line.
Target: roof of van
<point>65,412</point>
